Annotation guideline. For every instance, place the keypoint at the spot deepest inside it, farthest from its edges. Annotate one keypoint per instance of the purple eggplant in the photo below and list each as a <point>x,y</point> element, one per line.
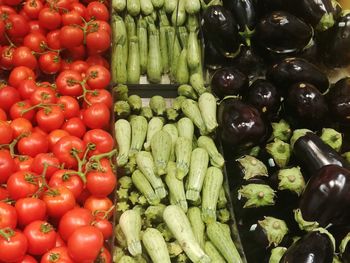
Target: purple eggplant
<point>293,70</point>
<point>314,247</point>
<point>213,59</point>
<point>338,99</point>
<point>228,81</point>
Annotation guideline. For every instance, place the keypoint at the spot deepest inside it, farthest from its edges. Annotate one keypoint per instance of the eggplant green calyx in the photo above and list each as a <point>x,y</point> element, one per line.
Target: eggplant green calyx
<point>281,130</point>
<point>304,225</point>
<point>277,254</point>
<point>291,179</point>
<point>297,134</point>
<point>344,243</point>
<point>247,35</point>
<point>280,151</point>
<point>323,231</point>
<point>252,167</point>
<point>275,229</point>
<point>257,195</point>
<point>332,138</point>
<point>327,21</point>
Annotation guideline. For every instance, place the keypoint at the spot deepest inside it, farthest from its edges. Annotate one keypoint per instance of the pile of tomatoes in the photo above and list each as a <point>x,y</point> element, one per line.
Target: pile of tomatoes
<point>56,151</point>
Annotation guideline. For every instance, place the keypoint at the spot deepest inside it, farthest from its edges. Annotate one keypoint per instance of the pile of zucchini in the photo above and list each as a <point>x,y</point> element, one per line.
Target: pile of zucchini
<point>158,39</point>
<point>171,204</point>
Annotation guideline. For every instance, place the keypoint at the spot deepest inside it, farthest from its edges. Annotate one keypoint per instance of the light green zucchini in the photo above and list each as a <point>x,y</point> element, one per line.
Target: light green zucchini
<point>176,187</point>
<point>123,136</point>
<point>154,125</point>
<point>161,148</point>
<point>183,151</point>
<point>138,133</point>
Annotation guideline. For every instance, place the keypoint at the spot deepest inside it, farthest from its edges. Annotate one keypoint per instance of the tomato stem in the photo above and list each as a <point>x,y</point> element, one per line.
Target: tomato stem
<point>45,106</point>
<point>7,233</point>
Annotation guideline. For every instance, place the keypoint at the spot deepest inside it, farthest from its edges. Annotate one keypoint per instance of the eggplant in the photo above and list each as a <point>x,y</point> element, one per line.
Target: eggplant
<point>314,247</point>
<point>220,27</point>
<point>313,154</point>
<point>338,99</point>
<point>305,106</point>
<point>293,70</point>
<point>264,96</point>
<point>326,198</point>
<point>228,81</point>
<point>213,59</point>
<point>282,32</point>
<point>240,125</point>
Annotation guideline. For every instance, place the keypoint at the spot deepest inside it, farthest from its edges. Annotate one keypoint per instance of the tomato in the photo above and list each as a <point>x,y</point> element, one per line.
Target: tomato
<point>50,118</point>
<point>21,126</point>
<point>49,18</point>
<point>97,60</point>
<point>8,96</point>
<point>7,10</point>
<point>55,136</point>
<point>106,166</point>
<point>35,27</point>
<point>98,77</point>
<point>101,139</point>
<point>100,184</point>
<point>66,148</point>
<point>75,126</point>
<point>59,200</point>
<point>80,66</point>
<point>71,36</point>
<point>22,109</point>
<point>6,58</point>
<point>33,144</point>
<point>26,88</point>
<point>97,116</point>
<point>98,42</point>
<point>59,241</point>
<point>14,248</point>
<point>41,237</point>
<point>12,2</point>
<point>68,178</point>
<point>32,8</point>
<point>98,11</point>
<point>57,255</point>
<point>30,209</point>
<point>105,227</point>
<point>6,133</point>
<point>79,8</point>
<point>83,196</point>
<point>7,166</point>
<point>53,39</point>
<point>85,243</point>
<point>72,220</point>
<point>18,74</point>
<point>48,159</point>
<point>43,95</point>
<point>37,129</point>
<point>23,163</point>
<point>72,17</point>
<point>27,259</point>
<point>17,26</point>
<point>8,216</point>
<point>68,83</point>
<point>50,62</point>
<point>104,256</point>
<point>22,184</point>
<point>75,53</point>
<point>2,28</point>
<point>99,205</point>
<point>3,115</point>
<point>35,41</point>
<point>70,106</point>
<point>99,96</point>
<point>23,57</point>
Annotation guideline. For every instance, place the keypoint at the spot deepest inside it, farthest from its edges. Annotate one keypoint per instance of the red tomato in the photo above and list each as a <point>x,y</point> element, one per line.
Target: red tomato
<point>6,133</point>
<point>27,259</point>
<point>68,83</point>
<point>98,42</point>
<point>72,220</point>
<point>32,8</point>
<point>50,118</point>
<point>4,194</point>
<point>71,36</point>
<point>41,237</point>
<point>17,26</point>
<point>98,206</point>
<point>70,106</point>
<point>68,178</point>
<point>21,126</point>
<point>75,126</point>
<point>8,97</point>
<point>85,243</point>
<point>98,11</point>
<point>106,165</point>
<point>3,115</point>
<point>53,39</point>
<point>98,77</point>
<point>14,248</point>
<point>97,116</point>
<point>22,184</point>
<point>75,53</point>
<point>35,27</point>
<point>22,109</point>
<point>23,163</point>
<point>33,144</point>
<point>8,216</point>
<point>104,256</point>
<point>99,96</point>
<point>55,136</point>
<point>105,227</point>
<point>100,184</point>
<point>66,148</point>
<point>50,62</point>
<point>101,25</point>
<point>78,7</point>
<point>97,60</point>
<point>59,241</point>
<point>48,159</point>
<point>7,166</point>
<point>12,2</point>
<point>80,66</point>
<point>18,74</point>
<point>30,209</point>
<point>35,41</point>
<point>101,139</point>
<point>72,17</point>
<point>23,57</point>
<point>6,58</point>
<point>26,88</point>
<point>49,18</point>
<point>83,196</point>
<point>59,200</point>
<point>57,255</point>
<point>44,95</point>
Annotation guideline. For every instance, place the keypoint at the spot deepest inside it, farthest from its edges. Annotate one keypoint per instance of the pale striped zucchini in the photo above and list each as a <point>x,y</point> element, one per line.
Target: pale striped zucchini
<point>143,185</point>
<point>154,125</point>
<point>130,223</point>
<point>155,245</point>
<point>207,106</point>
<point>123,136</point>
<point>138,133</point>
<point>213,253</point>
<point>146,7</point>
<point>183,151</point>
<point>143,43</point>
<point>176,187</point>
<point>207,143</point>
<point>172,130</point>
<point>191,110</point>
<point>161,148</point>
<point>194,215</point>
<point>185,128</point>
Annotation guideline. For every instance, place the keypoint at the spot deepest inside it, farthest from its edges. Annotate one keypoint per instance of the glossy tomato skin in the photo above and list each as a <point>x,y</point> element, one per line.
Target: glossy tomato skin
<point>18,74</point>
<point>59,254</point>
<point>68,83</point>
<point>30,209</point>
<point>8,96</point>
<point>98,11</point>
<point>98,77</point>
<point>69,179</point>
<point>21,126</point>
<point>22,109</point>
<point>27,259</point>
<point>49,18</point>
<point>15,248</point>
<point>23,163</point>
<point>75,126</point>
<point>50,62</point>
<point>47,159</point>
<point>59,200</point>
<point>8,216</point>
<point>71,36</point>
<point>7,166</point>
<point>105,226</point>
<point>70,106</point>
<point>33,144</point>
<point>24,57</point>
<point>104,256</point>
<point>97,116</point>
<point>26,88</point>
<point>99,96</point>
<point>50,118</point>
<point>17,26</point>
<point>22,184</point>
<point>3,115</point>
<point>64,148</point>
<point>101,139</point>
<point>44,95</point>
<point>100,184</point>
<point>6,133</point>
<point>55,136</point>
<point>99,204</point>
<point>32,8</point>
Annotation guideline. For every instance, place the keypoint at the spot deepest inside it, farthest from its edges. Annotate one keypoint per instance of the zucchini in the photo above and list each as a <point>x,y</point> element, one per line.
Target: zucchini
<point>133,7</point>
<point>154,125</point>
<point>138,133</point>
<point>123,136</point>
<point>197,82</point>
<point>183,151</point>
<point>179,225</point>
<point>186,128</point>
<point>174,50</point>
<point>164,48</point>
<point>130,26</point>
<point>213,253</point>
<point>191,110</point>
<point>178,17</point>
<point>142,184</point>
<point>207,107</point>
<point>172,130</point>
<point>158,105</point>
<point>161,148</point>
<point>193,58</point>
<point>158,3</point>
<point>197,173</point>
<point>210,195</point>
<point>178,102</point>
<point>130,223</point>
<point>170,5</point>
<point>207,143</point>
<point>143,43</point>
<point>118,5</point>
<point>198,227</point>
<point>187,91</point>
<point>192,6</point>
<point>146,112</point>
<point>135,103</point>
<point>127,259</point>
<point>183,36</point>
<point>155,245</point>
<point>222,200</point>
<point>154,61</point>
<point>182,73</point>
<point>146,7</point>
<point>134,70</point>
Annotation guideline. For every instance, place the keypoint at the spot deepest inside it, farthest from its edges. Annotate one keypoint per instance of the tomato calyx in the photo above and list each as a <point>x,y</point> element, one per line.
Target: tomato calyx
<point>54,257</point>
<point>94,161</point>
<point>7,233</point>
<point>46,106</point>
<point>102,214</point>
<point>46,228</point>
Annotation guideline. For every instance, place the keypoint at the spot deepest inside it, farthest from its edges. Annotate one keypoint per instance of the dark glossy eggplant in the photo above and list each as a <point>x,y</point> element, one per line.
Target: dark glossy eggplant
<point>220,27</point>
<point>313,154</point>
<point>305,106</point>
<point>282,32</point>
<point>293,70</point>
<point>314,247</point>
<point>326,198</point>
<point>213,59</point>
<point>248,62</point>
<point>241,125</point>
<point>338,99</point>
<point>228,81</point>
<point>264,96</point>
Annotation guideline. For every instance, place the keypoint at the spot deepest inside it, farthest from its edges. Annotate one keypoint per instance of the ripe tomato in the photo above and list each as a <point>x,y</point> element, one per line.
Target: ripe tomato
<point>48,159</point>
<point>49,18</point>
<point>55,136</point>
<point>27,259</point>
<point>99,96</point>
<point>66,148</point>
<point>8,96</point>
<point>98,11</point>
<point>12,2</point>
<point>3,115</point>
<point>35,27</point>
<point>4,194</point>
<point>75,53</point>
<point>102,140</point>
<point>57,255</point>
<point>53,39</point>
<point>22,184</point>
<point>26,88</point>
<point>17,26</point>
<point>106,166</point>
<point>59,241</point>
<point>30,209</point>
<point>68,83</point>
<point>14,248</point>
<point>33,144</point>
<point>70,106</point>
<point>50,118</point>
<point>75,126</point>
<point>100,184</point>
<point>6,58</point>
<point>59,200</point>
<point>97,60</point>
<point>6,133</point>
<point>35,41</point>
<point>71,36</point>
<point>21,126</point>
<point>105,227</point>
<point>98,42</point>
<point>98,77</point>
<point>80,66</point>
<point>44,95</point>
<point>7,166</point>
<point>85,243</point>
<point>68,178</point>
<point>83,196</point>
<point>32,8</point>
<point>18,74</point>
<point>41,237</point>
<point>50,62</point>
<point>23,163</point>
<point>22,109</point>
<point>97,116</point>
<point>8,216</point>
<point>23,57</point>
<point>78,7</point>
<point>72,17</point>
<point>72,220</point>
<point>104,256</point>
<point>99,205</point>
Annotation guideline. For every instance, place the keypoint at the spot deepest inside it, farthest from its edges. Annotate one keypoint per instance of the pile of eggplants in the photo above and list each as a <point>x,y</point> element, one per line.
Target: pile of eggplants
<point>284,124</point>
